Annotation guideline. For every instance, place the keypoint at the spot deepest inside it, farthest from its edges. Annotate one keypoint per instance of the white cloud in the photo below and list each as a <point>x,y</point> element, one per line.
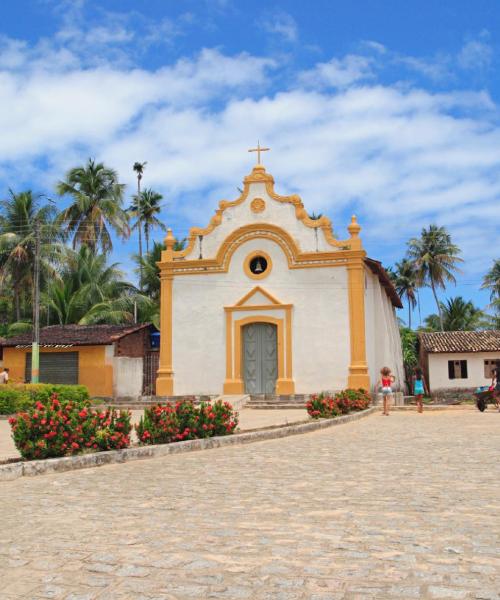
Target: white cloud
<point>282,24</point>
<point>400,157</point>
<point>475,54</point>
<point>338,73</point>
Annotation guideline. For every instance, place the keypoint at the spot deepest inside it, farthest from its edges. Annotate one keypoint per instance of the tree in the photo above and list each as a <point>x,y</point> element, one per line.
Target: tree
<point>150,207</point>
<point>435,258</point>
<point>491,280</point>
<point>405,281</point>
<point>85,281</point>
<point>410,356</point>
<point>18,215</point>
<point>139,170</point>
<point>150,270</point>
<point>96,208</point>
<point>457,315</point>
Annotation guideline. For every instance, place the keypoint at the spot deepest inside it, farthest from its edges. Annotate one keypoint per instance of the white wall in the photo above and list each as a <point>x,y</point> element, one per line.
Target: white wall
<point>383,342</point>
<point>277,213</point>
<point>320,321</point>
<point>438,369</point>
<point>127,377</point>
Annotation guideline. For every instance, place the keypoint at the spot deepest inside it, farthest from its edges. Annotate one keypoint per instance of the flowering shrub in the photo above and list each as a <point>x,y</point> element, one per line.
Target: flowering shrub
<point>63,428</point>
<point>185,421</point>
<point>324,405</point>
<point>20,397</point>
<point>356,399</point>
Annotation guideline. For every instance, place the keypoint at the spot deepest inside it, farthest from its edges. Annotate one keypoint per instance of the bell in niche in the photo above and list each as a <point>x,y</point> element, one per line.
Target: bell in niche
<point>258,266</point>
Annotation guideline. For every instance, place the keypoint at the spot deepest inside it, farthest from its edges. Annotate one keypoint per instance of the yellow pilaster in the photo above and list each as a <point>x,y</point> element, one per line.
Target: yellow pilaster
<point>165,378</point>
<point>358,369</point>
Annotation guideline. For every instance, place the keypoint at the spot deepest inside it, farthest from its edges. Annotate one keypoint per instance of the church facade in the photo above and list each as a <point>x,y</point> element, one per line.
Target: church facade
<point>266,300</point>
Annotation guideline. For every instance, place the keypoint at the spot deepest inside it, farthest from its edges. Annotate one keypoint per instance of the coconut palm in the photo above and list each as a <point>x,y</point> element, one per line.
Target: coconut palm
<point>491,280</point>
<point>458,315</point>
<point>150,270</point>
<point>405,281</point>
<point>139,170</point>
<point>96,207</point>
<point>435,258</point>
<point>19,215</point>
<point>85,281</point>
<point>150,208</point>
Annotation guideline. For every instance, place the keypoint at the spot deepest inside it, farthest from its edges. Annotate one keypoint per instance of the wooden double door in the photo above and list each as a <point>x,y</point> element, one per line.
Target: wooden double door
<point>260,358</point>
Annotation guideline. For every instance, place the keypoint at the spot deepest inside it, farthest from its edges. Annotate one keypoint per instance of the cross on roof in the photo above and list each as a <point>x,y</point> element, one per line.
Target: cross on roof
<point>259,150</point>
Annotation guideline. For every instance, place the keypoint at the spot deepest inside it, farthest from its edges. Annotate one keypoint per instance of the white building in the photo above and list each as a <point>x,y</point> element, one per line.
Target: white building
<point>459,360</point>
<point>267,300</point>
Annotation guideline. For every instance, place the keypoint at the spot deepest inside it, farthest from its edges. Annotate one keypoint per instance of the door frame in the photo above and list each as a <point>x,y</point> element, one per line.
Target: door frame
<point>234,383</point>
<point>239,342</point>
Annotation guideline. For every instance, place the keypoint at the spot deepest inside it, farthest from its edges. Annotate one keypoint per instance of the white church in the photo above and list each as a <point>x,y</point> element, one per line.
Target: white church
<point>265,300</point>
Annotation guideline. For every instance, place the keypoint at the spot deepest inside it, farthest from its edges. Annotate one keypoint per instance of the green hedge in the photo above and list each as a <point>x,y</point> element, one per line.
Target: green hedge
<point>14,398</point>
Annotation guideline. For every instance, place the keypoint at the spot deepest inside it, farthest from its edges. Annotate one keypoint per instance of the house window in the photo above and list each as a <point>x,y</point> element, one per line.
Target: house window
<point>457,369</point>
<point>489,365</point>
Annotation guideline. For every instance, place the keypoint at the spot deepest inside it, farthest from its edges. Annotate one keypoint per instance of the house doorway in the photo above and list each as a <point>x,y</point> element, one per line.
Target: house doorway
<point>260,358</point>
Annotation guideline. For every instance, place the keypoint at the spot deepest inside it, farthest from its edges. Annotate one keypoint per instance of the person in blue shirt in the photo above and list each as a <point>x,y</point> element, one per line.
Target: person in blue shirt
<point>419,388</point>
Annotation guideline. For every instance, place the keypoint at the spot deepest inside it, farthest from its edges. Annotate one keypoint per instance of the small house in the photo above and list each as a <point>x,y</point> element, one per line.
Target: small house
<point>113,361</point>
<point>459,361</point>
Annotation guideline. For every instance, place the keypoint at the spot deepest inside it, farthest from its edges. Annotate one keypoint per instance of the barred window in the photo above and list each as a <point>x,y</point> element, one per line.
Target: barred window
<point>489,365</point>
<point>457,369</point>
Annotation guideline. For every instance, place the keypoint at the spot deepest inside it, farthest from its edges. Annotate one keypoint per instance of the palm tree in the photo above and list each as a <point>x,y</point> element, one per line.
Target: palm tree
<point>435,258</point>
<point>18,216</point>
<point>405,281</point>
<point>150,207</point>
<point>150,270</point>
<point>134,210</point>
<point>458,315</point>
<point>96,208</point>
<point>84,282</point>
<point>491,280</point>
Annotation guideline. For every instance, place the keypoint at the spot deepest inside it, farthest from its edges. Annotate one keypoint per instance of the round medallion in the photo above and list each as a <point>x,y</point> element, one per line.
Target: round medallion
<point>257,205</point>
<point>258,265</point>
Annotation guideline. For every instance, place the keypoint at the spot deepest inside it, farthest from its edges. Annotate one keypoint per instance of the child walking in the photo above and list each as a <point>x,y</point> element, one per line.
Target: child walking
<point>385,385</point>
<point>419,387</point>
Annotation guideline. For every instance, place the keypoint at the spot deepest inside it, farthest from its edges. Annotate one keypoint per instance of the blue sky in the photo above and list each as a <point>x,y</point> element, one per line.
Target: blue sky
<point>386,109</point>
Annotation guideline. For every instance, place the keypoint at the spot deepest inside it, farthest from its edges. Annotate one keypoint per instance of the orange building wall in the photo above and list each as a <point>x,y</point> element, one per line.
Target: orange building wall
<point>95,369</point>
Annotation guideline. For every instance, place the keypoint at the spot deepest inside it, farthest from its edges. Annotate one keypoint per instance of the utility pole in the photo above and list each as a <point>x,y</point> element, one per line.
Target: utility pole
<point>35,348</point>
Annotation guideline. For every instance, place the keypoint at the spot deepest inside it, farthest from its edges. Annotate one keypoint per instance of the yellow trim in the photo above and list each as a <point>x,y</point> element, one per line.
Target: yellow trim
<point>165,376</point>
<point>259,175</point>
<point>257,290</point>
<point>250,257</point>
<point>234,383</point>
<point>258,205</point>
<point>358,369</point>
<point>295,258</point>
<point>229,345</point>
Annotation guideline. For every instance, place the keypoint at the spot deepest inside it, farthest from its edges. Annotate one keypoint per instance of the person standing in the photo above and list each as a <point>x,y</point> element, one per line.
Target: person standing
<point>385,384</point>
<point>419,388</point>
<point>4,376</point>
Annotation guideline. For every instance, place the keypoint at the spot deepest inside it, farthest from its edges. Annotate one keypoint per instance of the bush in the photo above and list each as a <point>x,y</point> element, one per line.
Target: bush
<point>325,406</point>
<point>322,406</point>
<point>185,421</point>
<point>15,397</point>
<point>53,428</point>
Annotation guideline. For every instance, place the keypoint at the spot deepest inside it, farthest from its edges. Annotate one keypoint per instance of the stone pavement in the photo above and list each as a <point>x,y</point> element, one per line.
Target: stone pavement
<point>391,508</point>
<point>249,419</point>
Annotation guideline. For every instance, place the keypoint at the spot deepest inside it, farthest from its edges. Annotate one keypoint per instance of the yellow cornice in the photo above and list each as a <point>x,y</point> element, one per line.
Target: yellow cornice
<point>259,175</point>
<point>258,290</point>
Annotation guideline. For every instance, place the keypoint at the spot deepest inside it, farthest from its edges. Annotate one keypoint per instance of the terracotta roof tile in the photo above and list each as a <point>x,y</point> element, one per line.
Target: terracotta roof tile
<point>77,335</point>
<point>461,341</point>
<point>377,268</point>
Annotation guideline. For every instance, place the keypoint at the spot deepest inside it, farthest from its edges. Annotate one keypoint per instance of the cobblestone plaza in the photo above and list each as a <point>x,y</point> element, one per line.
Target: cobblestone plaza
<point>400,507</point>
